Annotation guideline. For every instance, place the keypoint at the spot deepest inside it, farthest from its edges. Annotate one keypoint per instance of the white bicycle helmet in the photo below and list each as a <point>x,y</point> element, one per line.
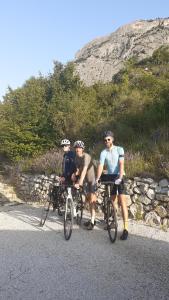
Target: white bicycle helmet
<point>65,142</point>
<point>79,144</point>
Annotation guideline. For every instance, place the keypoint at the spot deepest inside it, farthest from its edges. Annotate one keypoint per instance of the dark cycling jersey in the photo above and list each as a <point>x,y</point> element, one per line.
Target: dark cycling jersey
<point>68,165</point>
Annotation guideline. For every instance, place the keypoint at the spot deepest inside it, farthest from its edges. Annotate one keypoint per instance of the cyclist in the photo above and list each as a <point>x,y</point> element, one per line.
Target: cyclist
<point>85,173</point>
<point>68,163</point>
<point>68,167</point>
<point>112,157</point>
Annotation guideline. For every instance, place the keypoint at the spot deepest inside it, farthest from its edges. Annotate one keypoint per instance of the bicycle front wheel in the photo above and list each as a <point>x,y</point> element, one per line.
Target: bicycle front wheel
<point>68,219</point>
<point>111,221</point>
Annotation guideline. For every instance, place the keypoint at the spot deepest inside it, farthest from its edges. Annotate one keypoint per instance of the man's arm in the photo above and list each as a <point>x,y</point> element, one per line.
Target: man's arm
<point>121,168</point>
<point>101,165</point>
<point>99,171</point>
<point>83,174</point>
<point>121,163</point>
<point>74,175</point>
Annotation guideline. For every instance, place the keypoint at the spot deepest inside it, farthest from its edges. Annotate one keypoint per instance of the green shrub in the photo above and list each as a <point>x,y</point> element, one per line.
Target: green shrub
<point>48,163</point>
<point>135,105</point>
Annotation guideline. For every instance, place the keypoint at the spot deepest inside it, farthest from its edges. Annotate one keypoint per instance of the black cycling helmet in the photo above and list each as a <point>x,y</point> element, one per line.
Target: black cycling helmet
<point>79,144</point>
<point>108,133</point>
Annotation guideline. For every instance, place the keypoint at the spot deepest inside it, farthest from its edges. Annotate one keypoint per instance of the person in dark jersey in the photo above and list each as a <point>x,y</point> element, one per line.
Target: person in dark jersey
<point>68,168</point>
<point>68,163</point>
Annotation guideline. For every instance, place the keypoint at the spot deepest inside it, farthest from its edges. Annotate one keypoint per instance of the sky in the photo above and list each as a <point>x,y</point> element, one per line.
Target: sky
<point>34,33</point>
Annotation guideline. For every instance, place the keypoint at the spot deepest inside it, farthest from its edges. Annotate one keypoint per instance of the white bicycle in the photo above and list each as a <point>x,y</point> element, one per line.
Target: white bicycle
<point>73,209</point>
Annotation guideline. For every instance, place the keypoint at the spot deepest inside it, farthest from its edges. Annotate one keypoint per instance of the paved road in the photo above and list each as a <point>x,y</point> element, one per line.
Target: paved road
<point>37,263</point>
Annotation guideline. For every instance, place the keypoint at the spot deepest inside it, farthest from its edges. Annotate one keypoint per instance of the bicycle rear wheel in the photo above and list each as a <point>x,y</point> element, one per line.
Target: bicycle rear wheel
<point>68,219</point>
<point>111,221</point>
<point>45,211</point>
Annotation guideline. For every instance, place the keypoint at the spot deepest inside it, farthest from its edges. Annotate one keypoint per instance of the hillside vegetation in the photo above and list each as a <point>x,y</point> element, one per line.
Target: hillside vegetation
<point>135,105</point>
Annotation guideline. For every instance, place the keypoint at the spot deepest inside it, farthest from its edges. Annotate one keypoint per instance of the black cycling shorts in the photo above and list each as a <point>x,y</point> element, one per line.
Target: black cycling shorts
<point>116,189</point>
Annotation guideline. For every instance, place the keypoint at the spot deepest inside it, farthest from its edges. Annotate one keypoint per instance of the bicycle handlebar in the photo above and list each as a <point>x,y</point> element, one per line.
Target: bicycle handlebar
<point>107,182</point>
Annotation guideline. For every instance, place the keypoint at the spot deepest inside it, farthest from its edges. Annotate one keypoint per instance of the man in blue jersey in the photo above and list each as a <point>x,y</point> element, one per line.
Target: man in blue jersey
<point>112,158</point>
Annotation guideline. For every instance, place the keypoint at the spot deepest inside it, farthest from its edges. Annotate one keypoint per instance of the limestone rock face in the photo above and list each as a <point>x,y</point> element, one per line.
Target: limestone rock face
<point>103,57</point>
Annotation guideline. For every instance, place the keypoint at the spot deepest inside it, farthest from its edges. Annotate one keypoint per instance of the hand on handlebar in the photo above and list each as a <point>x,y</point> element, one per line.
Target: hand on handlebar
<point>97,180</point>
<point>118,181</point>
<point>77,186</point>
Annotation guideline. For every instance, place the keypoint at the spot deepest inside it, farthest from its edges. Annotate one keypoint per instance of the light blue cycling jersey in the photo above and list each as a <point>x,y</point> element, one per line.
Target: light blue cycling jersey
<point>110,158</point>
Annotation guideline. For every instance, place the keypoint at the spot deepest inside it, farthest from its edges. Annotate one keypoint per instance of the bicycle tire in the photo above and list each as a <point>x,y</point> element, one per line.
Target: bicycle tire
<point>68,219</point>
<point>45,211</point>
<point>111,221</point>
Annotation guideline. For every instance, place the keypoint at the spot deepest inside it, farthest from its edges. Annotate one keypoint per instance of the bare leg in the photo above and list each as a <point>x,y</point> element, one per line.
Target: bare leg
<point>122,200</point>
<point>92,203</point>
<point>92,207</point>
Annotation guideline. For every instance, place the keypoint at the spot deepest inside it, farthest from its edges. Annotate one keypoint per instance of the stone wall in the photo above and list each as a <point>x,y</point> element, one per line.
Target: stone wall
<point>34,188</point>
<point>149,200</point>
<point>146,199</point>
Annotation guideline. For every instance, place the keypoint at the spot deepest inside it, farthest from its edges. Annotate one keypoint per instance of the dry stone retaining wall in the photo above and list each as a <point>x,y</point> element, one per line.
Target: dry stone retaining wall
<point>35,187</point>
<point>149,200</point>
<point>146,199</point>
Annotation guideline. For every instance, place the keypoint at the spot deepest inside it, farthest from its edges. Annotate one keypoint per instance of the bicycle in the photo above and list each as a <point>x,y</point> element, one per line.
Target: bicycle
<point>73,205</point>
<point>109,210</point>
<point>78,203</point>
<point>56,200</point>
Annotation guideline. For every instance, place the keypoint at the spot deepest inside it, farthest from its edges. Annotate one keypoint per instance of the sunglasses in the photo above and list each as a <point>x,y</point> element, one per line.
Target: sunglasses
<point>107,140</point>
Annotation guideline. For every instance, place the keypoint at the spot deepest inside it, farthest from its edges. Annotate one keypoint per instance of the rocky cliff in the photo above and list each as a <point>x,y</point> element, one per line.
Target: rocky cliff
<point>102,58</point>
